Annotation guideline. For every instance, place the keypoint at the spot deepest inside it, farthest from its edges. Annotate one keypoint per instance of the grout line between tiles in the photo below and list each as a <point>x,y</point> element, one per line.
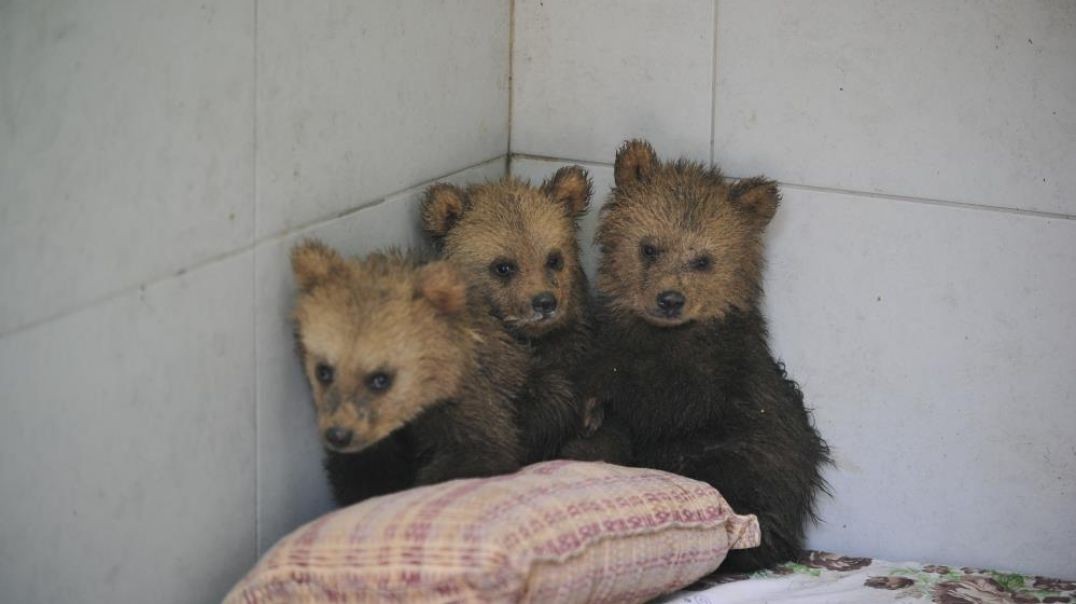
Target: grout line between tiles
<point>376,202</point>
<point>511,83</point>
<point>254,299</point>
<point>567,160</point>
<point>160,278</point>
<point>713,87</point>
<point>839,191</point>
<point>934,202</point>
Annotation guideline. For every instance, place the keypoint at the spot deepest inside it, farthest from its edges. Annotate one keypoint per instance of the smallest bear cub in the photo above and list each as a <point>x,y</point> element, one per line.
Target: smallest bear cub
<point>682,364</point>
<point>412,379</point>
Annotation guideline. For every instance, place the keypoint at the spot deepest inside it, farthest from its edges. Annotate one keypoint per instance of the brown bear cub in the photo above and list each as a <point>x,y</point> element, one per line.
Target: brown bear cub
<point>518,245</point>
<point>681,364</point>
<point>413,381</point>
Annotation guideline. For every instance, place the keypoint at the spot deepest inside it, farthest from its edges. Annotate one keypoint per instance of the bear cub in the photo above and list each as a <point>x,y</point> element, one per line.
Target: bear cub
<point>518,245</point>
<point>414,382</point>
<point>682,365</point>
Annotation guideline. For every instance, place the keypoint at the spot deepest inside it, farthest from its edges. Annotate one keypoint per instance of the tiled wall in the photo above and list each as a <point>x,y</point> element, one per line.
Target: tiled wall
<point>157,159</point>
<point>921,284</point>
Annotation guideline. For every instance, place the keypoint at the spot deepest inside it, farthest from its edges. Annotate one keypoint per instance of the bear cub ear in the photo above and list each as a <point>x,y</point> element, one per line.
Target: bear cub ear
<point>443,286</point>
<point>313,262</point>
<point>758,196</point>
<point>571,188</point>
<point>635,162</point>
<point>441,208</point>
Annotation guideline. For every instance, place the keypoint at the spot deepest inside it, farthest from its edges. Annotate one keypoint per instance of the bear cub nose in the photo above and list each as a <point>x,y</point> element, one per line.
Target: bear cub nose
<point>544,303</point>
<point>671,303</point>
<point>338,437</point>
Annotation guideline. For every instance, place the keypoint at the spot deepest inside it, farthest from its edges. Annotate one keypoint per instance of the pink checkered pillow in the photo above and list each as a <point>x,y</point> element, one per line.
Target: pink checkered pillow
<point>560,531</point>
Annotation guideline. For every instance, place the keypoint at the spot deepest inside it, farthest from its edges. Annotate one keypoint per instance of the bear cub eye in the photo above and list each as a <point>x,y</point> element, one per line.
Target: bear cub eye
<point>324,373</point>
<point>379,381</point>
<point>555,260</point>
<point>502,268</point>
<point>702,263</point>
<point>649,252</point>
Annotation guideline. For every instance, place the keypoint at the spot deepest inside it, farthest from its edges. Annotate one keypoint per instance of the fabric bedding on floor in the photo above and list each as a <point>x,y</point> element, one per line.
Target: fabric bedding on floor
<point>825,578</point>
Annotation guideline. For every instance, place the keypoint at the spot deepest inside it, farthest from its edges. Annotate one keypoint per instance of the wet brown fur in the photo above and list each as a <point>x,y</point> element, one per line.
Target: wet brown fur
<point>687,212</point>
<point>511,221</point>
<point>449,412</point>
<point>699,392</point>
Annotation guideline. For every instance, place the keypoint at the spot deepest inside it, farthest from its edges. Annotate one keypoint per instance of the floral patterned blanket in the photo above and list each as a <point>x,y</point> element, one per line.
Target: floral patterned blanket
<point>825,578</point>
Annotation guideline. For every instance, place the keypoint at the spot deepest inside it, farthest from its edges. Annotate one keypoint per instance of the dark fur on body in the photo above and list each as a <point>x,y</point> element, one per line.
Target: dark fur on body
<point>457,376</point>
<point>511,221</point>
<point>550,411</point>
<point>699,393</point>
<point>709,402</point>
<point>385,467</point>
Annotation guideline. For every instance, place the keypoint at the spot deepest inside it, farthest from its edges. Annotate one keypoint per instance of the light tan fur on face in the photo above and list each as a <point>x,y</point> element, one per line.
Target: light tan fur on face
<point>512,221</point>
<point>686,212</point>
<point>385,313</point>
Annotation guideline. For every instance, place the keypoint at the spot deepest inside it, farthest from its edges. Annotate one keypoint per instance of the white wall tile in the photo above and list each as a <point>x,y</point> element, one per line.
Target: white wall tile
<point>961,101</point>
<point>127,446</point>
<point>357,100</point>
<point>935,344</point>
<point>125,145</point>
<point>292,486</point>
<point>588,75</point>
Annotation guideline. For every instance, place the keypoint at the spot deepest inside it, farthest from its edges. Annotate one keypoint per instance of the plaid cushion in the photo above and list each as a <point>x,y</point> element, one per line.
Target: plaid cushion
<point>559,531</point>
